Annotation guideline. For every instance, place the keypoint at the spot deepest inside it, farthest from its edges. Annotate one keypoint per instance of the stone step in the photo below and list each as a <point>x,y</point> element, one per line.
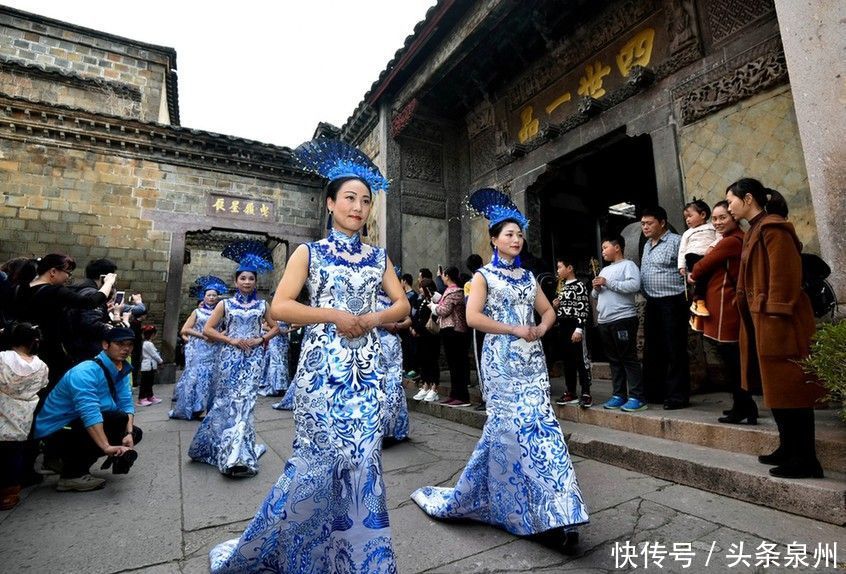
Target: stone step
<point>731,474</point>
<point>698,425</point>
<point>723,471</point>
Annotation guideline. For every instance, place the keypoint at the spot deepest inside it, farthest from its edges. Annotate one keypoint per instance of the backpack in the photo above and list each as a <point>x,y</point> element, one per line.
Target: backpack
<point>815,271</point>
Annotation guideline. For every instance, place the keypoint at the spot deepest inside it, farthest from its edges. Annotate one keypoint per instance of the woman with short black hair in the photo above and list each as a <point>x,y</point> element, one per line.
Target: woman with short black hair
<point>42,298</point>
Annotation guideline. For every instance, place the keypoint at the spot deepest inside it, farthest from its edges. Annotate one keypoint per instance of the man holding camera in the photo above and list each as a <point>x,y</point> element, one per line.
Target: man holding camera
<point>85,328</point>
<point>90,414</point>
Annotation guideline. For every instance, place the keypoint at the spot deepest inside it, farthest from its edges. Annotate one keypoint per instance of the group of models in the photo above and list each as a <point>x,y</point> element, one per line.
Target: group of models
<point>327,512</point>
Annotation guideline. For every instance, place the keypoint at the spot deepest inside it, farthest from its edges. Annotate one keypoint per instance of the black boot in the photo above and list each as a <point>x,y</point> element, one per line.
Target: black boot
<point>800,445</point>
<point>745,409</point>
<point>779,455</point>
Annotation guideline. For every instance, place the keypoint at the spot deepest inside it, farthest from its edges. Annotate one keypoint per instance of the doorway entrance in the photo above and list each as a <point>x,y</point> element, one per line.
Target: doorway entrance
<point>594,192</point>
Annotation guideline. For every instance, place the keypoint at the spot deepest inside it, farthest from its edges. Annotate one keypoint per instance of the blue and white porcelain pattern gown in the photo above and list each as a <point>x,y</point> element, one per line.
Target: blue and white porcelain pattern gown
<point>396,407</point>
<point>327,513</point>
<point>227,437</point>
<point>275,380</point>
<point>287,402</point>
<point>192,389</point>
<point>520,476</point>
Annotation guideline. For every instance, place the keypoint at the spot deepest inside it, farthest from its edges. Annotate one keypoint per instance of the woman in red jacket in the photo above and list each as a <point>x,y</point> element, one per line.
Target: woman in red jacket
<point>720,267</point>
<point>776,326</point>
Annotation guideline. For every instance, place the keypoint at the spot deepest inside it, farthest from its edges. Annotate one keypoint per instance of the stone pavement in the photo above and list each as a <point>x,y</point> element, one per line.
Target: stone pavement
<point>163,517</point>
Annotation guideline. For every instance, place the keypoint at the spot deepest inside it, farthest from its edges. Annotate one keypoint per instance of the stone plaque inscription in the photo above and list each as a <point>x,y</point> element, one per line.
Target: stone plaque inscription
<point>596,77</point>
<point>246,208</point>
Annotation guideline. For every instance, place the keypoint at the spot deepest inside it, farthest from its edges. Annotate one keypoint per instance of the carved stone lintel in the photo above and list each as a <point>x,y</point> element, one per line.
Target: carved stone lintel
<point>767,68</point>
<point>641,77</point>
<point>681,25</point>
<point>550,132</point>
<point>403,118</point>
<point>518,150</point>
<point>422,161</point>
<point>725,18</point>
<point>590,107</point>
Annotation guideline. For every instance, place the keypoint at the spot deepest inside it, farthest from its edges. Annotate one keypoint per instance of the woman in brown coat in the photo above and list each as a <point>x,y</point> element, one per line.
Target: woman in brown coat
<point>776,325</point>
<point>720,267</point>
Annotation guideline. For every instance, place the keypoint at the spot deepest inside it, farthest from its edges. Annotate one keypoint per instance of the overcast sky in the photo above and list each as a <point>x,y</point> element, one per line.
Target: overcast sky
<point>268,71</point>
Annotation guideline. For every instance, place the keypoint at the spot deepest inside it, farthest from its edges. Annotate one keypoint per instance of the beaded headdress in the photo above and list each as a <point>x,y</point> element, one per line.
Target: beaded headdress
<point>251,255</point>
<point>206,282</point>
<point>334,159</point>
<point>496,207</point>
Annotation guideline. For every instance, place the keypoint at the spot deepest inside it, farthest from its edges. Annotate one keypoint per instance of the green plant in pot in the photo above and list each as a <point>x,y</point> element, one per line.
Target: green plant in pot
<point>828,362</point>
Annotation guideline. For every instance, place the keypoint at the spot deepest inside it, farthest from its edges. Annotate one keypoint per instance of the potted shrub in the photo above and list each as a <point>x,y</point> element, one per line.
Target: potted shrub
<point>828,362</point>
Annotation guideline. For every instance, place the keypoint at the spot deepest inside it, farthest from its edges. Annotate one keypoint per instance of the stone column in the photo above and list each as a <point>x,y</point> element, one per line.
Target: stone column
<point>389,152</point>
<point>173,295</point>
<point>813,33</point>
<point>668,177</point>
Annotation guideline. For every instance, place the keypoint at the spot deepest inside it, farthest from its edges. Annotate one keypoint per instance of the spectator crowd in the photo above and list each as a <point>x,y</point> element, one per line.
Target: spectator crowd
<point>70,352</point>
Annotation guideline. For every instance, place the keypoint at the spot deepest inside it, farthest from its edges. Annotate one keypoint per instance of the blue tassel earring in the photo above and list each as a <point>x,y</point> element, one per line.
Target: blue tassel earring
<point>517,262</point>
<point>496,256</point>
<point>364,231</point>
<point>329,222</point>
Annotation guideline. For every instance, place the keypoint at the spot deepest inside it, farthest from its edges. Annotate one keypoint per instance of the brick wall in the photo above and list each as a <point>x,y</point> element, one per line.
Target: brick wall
<point>73,51</point>
<point>91,205</point>
<point>759,138</point>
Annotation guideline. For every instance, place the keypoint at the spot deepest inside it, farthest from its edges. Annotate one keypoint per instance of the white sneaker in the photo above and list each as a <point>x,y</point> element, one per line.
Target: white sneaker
<point>431,396</point>
<point>421,394</point>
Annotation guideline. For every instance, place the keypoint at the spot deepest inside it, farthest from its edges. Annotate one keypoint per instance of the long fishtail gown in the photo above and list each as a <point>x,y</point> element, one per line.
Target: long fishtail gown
<point>327,513</point>
<point>192,389</point>
<point>396,407</point>
<point>275,380</point>
<point>227,438</point>
<point>520,476</point>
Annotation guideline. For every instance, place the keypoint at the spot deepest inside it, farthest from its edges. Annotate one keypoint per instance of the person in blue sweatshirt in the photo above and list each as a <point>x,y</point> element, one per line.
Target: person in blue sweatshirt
<point>90,413</point>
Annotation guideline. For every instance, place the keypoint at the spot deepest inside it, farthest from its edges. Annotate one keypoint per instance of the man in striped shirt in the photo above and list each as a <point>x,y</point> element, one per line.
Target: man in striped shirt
<point>666,372</point>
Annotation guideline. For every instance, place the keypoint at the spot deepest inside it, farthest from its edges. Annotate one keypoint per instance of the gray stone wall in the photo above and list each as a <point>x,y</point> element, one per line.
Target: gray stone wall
<point>63,64</point>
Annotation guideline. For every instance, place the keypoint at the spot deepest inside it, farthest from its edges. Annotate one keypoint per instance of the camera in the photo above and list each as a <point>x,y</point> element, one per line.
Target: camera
<point>120,464</point>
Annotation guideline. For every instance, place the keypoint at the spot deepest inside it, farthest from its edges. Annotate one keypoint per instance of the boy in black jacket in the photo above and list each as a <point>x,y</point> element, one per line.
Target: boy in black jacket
<point>572,305</point>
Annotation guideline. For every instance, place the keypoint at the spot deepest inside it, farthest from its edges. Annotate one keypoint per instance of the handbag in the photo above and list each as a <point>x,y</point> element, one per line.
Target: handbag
<point>432,325</point>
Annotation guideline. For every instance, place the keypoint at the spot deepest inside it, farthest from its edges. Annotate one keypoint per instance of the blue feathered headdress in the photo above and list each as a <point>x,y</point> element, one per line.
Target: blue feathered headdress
<point>496,207</point>
<point>334,159</point>
<point>206,282</point>
<point>251,255</point>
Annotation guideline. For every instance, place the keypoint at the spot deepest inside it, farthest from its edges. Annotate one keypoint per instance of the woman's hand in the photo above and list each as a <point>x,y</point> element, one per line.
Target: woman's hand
<point>523,332</point>
<point>349,325</point>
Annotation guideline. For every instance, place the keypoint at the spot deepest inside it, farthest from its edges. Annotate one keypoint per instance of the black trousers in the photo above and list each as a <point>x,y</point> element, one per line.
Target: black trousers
<point>796,434</point>
<point>145,388</point>
<point>700,287</point>
<point>730,355</point>
<point>78,450</point>
<point>456,346</point>
<point>665,364</point>
<point>409,345</point>
<point>619,340</point>
<point>12,461</point>
<point>575,357</point>
<point>428,354</point>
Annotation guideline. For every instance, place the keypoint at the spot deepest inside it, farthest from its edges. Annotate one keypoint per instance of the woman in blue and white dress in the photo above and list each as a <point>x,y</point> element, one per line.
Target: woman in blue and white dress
<point>192,389</point>
<point>275,381</point>
<point>226,437</point>
<point>396,407</point>
<point>327,513</point>
<point>520,476</point>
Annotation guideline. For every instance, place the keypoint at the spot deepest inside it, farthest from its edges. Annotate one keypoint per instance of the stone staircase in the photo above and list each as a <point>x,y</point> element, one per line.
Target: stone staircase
<point>690,447</point>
